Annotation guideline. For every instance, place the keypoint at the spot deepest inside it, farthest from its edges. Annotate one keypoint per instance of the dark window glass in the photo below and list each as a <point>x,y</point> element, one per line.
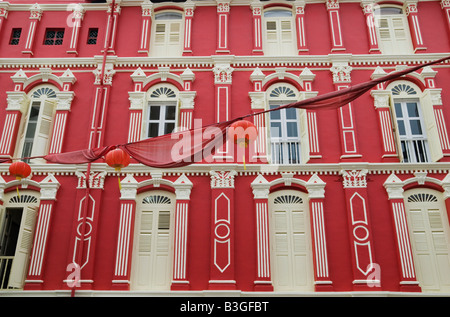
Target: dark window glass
<point>92,36</point>
<point>15,36</point>
<point>54,37</point>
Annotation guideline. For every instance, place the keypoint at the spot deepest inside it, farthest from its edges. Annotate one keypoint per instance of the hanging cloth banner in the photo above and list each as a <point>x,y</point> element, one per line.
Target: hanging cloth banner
<point>187,147</point>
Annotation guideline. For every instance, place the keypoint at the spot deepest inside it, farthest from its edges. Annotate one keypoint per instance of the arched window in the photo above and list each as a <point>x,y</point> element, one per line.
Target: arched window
<point>167,38</point>
<point>392,30</point>
<point>161,113</point>
<point>152,256</point>
<point>411,128</point>
<point>291,258</point>
<point>430,238</point>
<point>284,125</point>
<point>17,225</point>
<point>279,32</point>
<point>37,124</point>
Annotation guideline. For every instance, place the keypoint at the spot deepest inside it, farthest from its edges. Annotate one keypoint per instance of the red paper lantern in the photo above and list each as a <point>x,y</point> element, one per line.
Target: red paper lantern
<point>243,132</point>
<point>117,158</point>
<point>20,170</point>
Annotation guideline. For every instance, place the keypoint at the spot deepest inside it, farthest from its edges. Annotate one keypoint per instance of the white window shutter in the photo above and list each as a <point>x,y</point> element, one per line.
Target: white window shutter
<point>393,34</point>
<point>304,137</point>
<point>434,142</point>
<point>286,37</point>
<point>23,248</point>
<point>43,129</point>
<point>396,133</point>
<point>272,38</point>
<point>167,39</point>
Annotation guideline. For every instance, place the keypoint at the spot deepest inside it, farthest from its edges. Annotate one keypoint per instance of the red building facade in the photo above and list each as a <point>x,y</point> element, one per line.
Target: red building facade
<point>338,200</point>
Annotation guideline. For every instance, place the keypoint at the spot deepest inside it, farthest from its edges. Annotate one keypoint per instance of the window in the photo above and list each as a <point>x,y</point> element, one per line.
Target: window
<point>34,140</point>
<point>152,263</point>
<point>15,36</point>
<point>410,125</point>
<point>17,224</point>
<point>92,36</point>
<point>291,254</point>
<point>54,37</point>
<point>284,127</point>
<point>279,33</point>
<point>167,34</point>
<point>429,233</point>
<point>161,113</point>
<point>393,31</point>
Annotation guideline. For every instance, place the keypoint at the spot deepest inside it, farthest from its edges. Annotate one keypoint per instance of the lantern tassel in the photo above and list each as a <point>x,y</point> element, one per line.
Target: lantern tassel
<point>17,188</point>
<point>118,178</point>
<point>243,159</point>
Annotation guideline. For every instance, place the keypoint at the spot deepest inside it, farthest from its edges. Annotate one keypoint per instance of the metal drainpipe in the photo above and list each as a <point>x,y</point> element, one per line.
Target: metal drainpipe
<point>79,255</point>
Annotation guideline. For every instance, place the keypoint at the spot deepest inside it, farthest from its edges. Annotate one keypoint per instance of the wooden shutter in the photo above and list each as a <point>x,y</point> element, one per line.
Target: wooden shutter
<point>272,40</point>
<point>395,127</point>
<point>279,37</point>
<point>434,142</point>
<point>167,41</point>
<point>304,137</point>
<point>23,248</point>
<point>393,33</point>
<point>43,129</point>
<point>286,37</point>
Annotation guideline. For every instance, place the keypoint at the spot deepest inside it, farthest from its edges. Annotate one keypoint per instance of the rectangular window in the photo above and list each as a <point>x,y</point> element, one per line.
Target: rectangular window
<point>15,36</point>
<point>54,37</point>
<point>393,33</point>
<point>161,119</point>
<point>279,33</point>
<point>413,139</point>
<point>284,136</point>
<point>92,36</point>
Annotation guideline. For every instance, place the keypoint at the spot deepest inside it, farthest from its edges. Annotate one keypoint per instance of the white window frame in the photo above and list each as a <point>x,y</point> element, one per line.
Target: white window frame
<point>147,273</point>
<point>280,46</point>
<point>163,101</point>
<point>165,48</point>
<point>283,143</point>
<point>29,202</point>
<point>390,44</point>
<point>41,139</point>
<point>411,92</point>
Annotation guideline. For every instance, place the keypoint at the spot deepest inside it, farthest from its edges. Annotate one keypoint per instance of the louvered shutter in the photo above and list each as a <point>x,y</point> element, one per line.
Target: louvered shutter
<point>23,248</point>
<point>159,44</point>
<point>393,33</point>
<point>43,129</point>
<point>286,37</point>
<point>279,37</point>
<point>432,132</point>
<point>304,137</point>
<point>396,130</point>
<point>167,41</point>
<point>272,40</point>
<point>174,39</point>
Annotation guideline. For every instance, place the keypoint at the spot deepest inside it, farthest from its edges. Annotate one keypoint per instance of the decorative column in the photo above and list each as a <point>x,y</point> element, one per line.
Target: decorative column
<point>363,260</point>
<point>17,102</point>
<point>416,35</point>
<point>316,194</point>
<point>124,248</point>
<point>341,79</point>
<point>263,280</point>
<point>367,6</point>
<point>258,104</point>
<point>86,212</point>
<point>49,189</point>
<point>35,17</point>
<point>337,43</point>
<point>64,102</point>
<point>222,231</point>
<point>445,5</point>
<point>222,81</point>
<point>446,194</point>
<point>300,25</point>
<point>394,189</point>
<point>223,12</point>
<point>183,188</point>
<point>113,31</point>
<point>147,11</point>
<point>257,8</point>
<point>189,7</point>
<point>101,98</point>
<point>77,17</point>
<point>4,7</point>
<point>187,100</point>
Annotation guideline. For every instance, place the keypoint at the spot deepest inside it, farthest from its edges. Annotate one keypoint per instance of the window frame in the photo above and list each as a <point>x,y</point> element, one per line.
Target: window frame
<point>22,136</point>
<point>54,38</point>
<point>15,38</point>
<point>166,45</point>
<point>163,102</point>
<point>394,42</point>
<point>280,51</point>
<point>89,38</point>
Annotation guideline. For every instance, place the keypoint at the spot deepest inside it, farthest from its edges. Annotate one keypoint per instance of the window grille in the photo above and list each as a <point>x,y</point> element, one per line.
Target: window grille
<point>54,37</point>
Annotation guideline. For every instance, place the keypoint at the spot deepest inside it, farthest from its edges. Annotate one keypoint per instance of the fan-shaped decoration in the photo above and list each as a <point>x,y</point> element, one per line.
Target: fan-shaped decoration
<point>44,91</point>
<point>397,90</point>
<point>288,199</point>
<point>282,91</point>
<point>422,198</point>
<point>163,91</point>
<point>23,199</point>
<point>156,199</point>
